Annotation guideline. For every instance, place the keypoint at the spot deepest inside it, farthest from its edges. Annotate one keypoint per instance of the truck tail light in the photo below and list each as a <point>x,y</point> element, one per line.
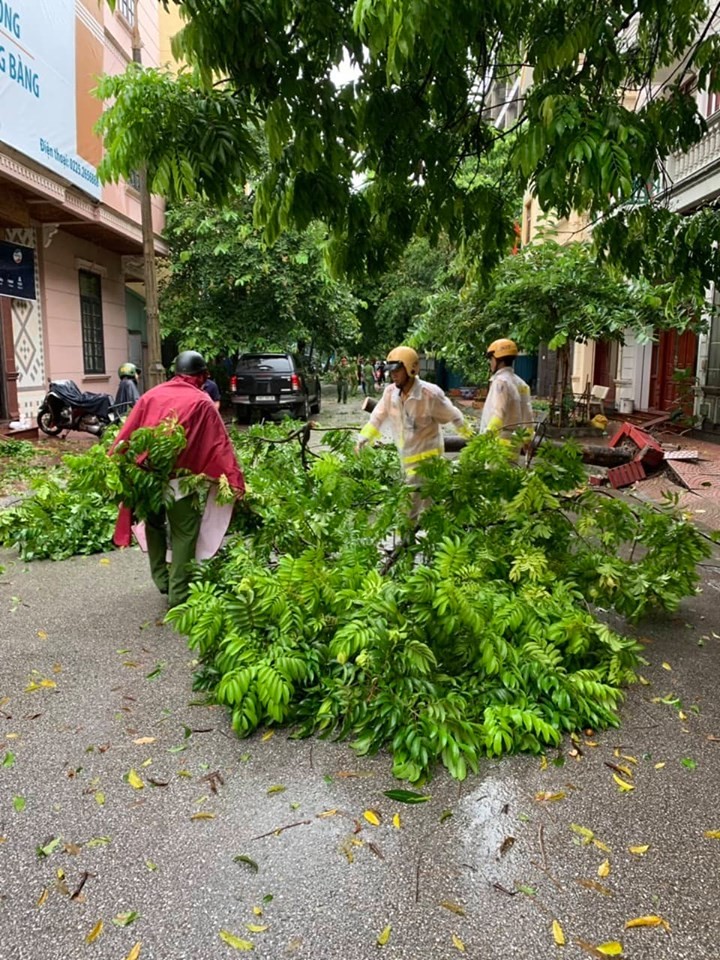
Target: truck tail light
<point>295,382</point>
<point>233,384</point>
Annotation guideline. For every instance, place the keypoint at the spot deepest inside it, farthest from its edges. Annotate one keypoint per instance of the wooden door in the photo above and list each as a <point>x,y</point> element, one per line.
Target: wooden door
<point>605,367</point>
<point>672,352</point>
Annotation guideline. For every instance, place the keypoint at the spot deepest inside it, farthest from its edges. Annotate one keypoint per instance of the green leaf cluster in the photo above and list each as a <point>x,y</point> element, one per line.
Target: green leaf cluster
<point>75,512</point>
<point>227,290</point>
<point>478,638</point>
<point>55,521</point>
<point>376,155</point>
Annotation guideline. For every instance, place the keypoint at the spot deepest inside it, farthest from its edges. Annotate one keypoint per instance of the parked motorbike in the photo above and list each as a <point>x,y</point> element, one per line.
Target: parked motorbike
<point>66,407</point>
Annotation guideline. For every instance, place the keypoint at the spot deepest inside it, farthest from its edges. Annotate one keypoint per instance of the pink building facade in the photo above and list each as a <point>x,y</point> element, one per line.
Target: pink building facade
<point>81,240</point>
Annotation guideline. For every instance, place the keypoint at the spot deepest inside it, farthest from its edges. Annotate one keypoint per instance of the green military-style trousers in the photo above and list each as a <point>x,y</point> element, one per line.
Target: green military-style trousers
<point>180,534</point>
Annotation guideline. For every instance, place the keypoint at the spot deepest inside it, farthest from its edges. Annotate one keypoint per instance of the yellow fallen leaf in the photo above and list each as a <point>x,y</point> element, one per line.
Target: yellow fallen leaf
<point>543,762</point>
<point>644,681</point>
<point>42,898</point>
<point>384,936</point>
<point>453,907</point>
<point>134,780</point>
<point>682,715</point>
<point>257,927</point>
<point>613,948</point>
<point>659,766</point>
<point>604,869</point>
<point>640,851</point>
<point>601,846</point>
<point>458,944</point>
<point>666,665</point>
<point>594,885</point>
<point>257,911</point>
<point>48,684</point>
<point>203,816</point>
<point>591,743</point>
<point>141,741</point>
<point>327,813</point>
<point>372,817</point>
<point>627,757</point>
<point>558,934</point>
<point>42,635</point>
<point>616,752</point>
<point>232,941</point>
<point>550,797</point>
<point>626,770</point>
<point>268,735</point>
<point>622,784</point>
<point>397,822</point>
<point>95,932</point>
<point>649,921</point>
<point>712,834</point>
<point>135,952</point>
<point>104,562</point>
<point>586,834</point>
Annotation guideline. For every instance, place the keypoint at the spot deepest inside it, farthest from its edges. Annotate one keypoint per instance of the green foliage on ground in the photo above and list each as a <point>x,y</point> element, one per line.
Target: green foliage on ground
<point>75,512</point>
<point>55,521</point>
<point>21,462</point>
<point>479,636</point>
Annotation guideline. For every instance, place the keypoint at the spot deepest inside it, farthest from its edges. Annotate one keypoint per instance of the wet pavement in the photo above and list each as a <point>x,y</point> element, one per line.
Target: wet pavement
<point>94,687</point>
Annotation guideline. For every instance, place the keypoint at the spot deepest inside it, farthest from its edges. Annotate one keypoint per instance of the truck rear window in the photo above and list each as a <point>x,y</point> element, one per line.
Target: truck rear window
<point>264,364</point>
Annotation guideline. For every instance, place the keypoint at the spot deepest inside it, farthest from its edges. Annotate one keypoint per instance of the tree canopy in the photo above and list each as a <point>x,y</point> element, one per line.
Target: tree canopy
<point>546,293</point>
<point>377,157</point>
<point>226,290</point>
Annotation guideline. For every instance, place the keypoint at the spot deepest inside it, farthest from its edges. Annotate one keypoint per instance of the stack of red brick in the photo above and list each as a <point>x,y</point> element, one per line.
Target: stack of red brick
<point>649,456</point>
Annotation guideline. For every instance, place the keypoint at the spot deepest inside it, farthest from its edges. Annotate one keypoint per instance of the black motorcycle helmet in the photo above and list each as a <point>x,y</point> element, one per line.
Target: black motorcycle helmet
<point>190,363</point>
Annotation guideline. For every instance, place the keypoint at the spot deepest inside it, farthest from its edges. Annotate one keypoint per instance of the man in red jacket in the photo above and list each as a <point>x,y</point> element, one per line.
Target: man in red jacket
<point>208,451</point>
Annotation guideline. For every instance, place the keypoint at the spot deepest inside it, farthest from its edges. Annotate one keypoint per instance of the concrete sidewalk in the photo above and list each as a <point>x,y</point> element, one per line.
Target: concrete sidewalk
<point>92,687</point>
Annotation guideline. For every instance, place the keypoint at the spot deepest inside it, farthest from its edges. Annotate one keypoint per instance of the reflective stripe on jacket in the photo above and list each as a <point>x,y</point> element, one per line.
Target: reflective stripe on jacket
<point>415,421</point>
<point>508,404</point>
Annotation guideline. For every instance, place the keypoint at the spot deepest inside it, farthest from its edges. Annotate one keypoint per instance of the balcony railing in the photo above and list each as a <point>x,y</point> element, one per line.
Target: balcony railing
<point>706,153</point>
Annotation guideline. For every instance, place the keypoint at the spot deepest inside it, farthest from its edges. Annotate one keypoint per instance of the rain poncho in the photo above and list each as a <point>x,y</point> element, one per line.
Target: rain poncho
<point>508,404</point>
<point>127,395</point>
<point>415,420</point>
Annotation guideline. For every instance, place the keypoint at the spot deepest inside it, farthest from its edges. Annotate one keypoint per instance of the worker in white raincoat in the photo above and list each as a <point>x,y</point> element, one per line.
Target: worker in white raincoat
<point>508,406</point>
<point>415,411</point>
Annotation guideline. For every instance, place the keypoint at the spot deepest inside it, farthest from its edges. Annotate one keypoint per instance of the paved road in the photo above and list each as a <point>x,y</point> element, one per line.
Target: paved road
<point>92,687</point>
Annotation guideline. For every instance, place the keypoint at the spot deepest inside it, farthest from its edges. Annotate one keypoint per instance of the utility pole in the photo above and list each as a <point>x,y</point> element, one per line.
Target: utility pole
<point>156,371</point>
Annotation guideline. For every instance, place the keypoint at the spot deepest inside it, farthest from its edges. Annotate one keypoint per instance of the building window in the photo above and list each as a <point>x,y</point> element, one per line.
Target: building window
<point>126,9</point>
<point>92,323</point>
<point>712,103</point>
<point>713,362</point>
<point>134,180</point>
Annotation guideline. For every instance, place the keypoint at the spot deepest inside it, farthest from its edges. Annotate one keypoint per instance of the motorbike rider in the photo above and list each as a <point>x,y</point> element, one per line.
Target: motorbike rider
<point>507,406</point>
<point>127,393</point>
<point>208,452</point>
<point>415,410</point>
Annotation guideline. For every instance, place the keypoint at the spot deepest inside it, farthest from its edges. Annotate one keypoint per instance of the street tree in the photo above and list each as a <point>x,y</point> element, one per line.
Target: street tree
<point>549,293</point>
<point>376,157</point>
<point>226,290</point>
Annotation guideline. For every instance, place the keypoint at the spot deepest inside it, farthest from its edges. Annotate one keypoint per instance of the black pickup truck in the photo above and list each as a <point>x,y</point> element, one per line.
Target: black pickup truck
<point>270,383</point>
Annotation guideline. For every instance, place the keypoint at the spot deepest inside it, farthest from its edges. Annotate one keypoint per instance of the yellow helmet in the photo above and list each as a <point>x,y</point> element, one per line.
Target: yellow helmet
<point>502,348</point>
<point>407,357</point>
